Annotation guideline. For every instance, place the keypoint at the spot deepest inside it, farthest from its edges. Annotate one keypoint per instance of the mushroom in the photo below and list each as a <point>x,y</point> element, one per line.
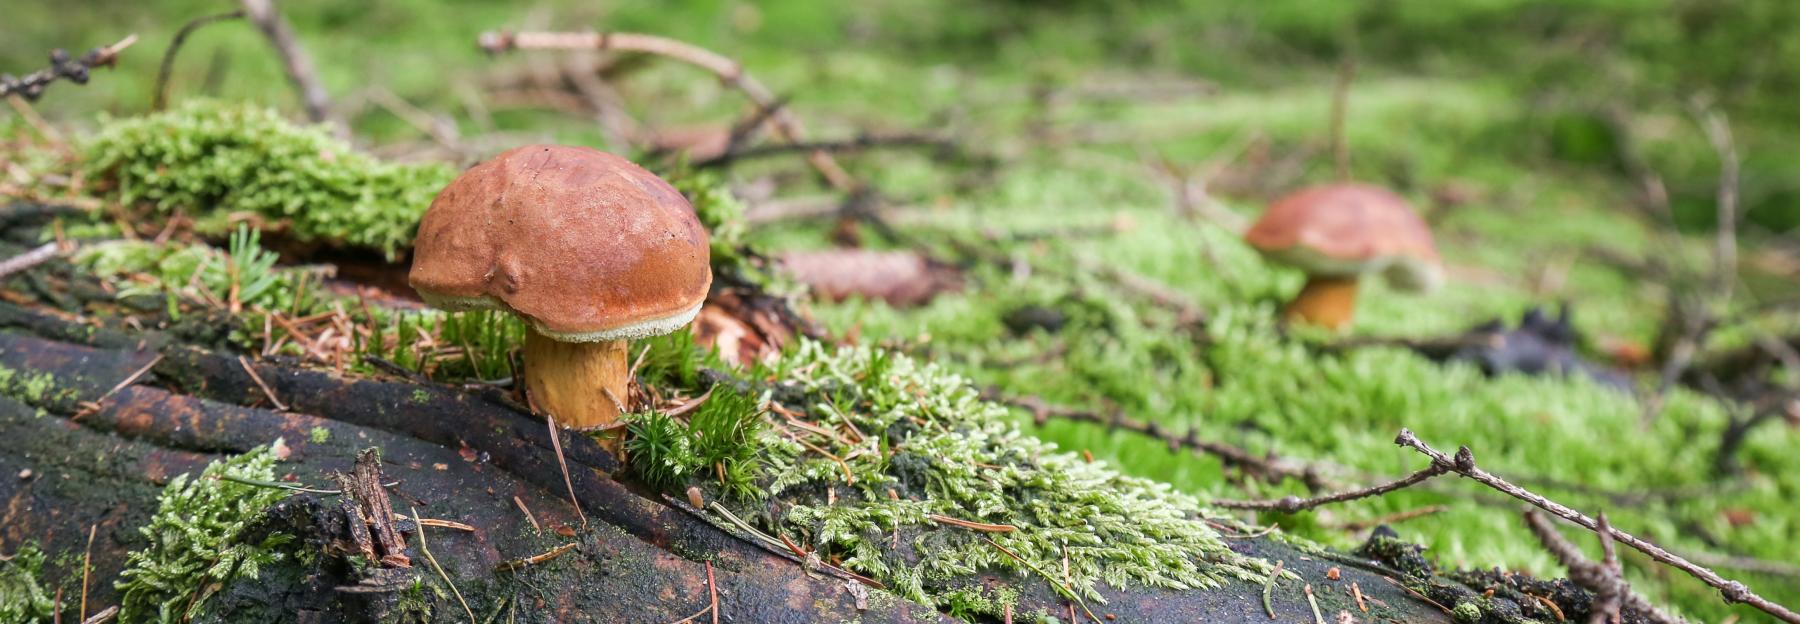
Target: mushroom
<point>1338,233</point>
<point>590,250</point>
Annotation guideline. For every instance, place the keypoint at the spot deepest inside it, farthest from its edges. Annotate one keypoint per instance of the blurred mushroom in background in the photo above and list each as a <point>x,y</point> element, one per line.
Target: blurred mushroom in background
<point>1338,234</point>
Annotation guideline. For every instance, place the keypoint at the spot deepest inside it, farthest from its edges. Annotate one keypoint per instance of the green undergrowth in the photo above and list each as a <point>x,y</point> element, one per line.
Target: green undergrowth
<point>864,447</point>
<point>1244,380</point>
<point>22,595</point>
<point>194,540</point>
<point>216,161</point>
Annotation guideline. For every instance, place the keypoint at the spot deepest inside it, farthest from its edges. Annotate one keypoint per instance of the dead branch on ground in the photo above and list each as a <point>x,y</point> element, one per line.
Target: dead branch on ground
<point>167,68</point>
<point>729,72</point>
<point>1464,464</point>
<point>861,142</point>
<point>36,256</point>
<point>62,67</point>
<point>1291,504</point>
<point>1605,579</point>
<point>1269,468</point>
<point>296,62</point>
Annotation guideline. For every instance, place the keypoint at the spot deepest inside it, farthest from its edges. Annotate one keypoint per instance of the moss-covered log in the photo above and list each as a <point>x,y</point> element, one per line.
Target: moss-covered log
<point>462,456</point>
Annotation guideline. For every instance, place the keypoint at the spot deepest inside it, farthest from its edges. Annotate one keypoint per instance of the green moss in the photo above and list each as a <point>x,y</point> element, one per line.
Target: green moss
<point>717,440</point>
<point>194,540</point>
<point>22,595</point>
<point>912,442</point>
<point>1466,613</point>
<point>211,160</point>
<point>319,435</point>
<point>31,388</point>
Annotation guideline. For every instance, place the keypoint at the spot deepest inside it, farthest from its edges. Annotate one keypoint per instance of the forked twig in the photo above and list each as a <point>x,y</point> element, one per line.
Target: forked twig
<point>730,72</point>
<point>75,70</point>
<point>1464,464</point>
<point>1611,592</point>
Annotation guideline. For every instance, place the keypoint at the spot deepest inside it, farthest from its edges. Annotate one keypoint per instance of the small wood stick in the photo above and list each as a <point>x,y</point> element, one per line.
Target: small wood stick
<point>260,384</point>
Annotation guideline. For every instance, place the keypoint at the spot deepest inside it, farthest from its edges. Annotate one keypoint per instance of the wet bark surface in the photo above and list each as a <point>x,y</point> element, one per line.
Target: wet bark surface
<point>471,457</point>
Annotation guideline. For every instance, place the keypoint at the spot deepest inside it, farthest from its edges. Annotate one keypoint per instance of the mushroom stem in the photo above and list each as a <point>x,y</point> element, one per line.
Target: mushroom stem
<point>1328,302</point>
<point>570,380</point>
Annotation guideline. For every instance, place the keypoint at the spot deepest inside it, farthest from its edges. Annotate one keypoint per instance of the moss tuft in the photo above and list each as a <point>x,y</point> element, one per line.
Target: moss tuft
<point>194,546</point>
<point>212,159</point>
<point>22,597</point>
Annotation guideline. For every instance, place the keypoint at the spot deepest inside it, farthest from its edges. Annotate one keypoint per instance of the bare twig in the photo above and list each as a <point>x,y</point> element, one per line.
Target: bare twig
<point>21,262</point>
<point>1340,105</point>
<point>520,564</point>
<point>439,523</point>
<point>296,62</point>
<point>1399,516</point>
<point>1464,464</point>
<point>730,72</point>
<point>1268,468</point>
<point>242,361</point>
<point>164,72</point>
<point>87,565</point>
<point>1718,133</point>
<point>440,131</point>
<point>105,615</point>
<point>861,142</point>
<point>75,70</point>
<point>1291,504</point>
<point>1604,579</point>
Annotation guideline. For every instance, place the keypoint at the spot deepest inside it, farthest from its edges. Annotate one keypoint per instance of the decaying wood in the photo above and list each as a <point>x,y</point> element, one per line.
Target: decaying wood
<point>194,403</point>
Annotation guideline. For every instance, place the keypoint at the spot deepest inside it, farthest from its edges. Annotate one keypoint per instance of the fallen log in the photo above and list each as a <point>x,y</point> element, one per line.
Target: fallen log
<point>467,457</point>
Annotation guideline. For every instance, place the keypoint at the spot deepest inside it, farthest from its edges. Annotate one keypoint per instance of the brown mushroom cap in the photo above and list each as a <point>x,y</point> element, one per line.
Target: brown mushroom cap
<point>1349,230</point>
<point>583,244</point>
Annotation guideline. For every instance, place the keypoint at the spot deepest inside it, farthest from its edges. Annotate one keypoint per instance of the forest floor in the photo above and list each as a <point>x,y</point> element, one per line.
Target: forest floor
<point>1083,180</point>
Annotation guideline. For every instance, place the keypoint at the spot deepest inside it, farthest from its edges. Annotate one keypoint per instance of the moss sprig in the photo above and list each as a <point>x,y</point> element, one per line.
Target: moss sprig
<point>195,540</point>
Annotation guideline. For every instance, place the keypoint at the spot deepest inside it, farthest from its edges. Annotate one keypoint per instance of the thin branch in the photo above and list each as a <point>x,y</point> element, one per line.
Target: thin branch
<point>1605,580</point>
<point>1725,248</point>
<point>1340,105</point>
<point>105,615</point>
<point>1464,464</point>
<point>1268,468</point>
<point>860,142</point>
<point>296,62</point>
<point>1291,504</point>
<point>244,362</point>
<point>63,67</point>
<point>730,72</point>
<point>87,564</point>
<point>167,69</point>
<point>21,262</point>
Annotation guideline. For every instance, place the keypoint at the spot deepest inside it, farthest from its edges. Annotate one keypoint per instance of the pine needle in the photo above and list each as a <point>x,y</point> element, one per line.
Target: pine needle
<point>426,548</point>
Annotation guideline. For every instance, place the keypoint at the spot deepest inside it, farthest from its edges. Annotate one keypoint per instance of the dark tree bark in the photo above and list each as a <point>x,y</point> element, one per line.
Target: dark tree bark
<point>467,457</point>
